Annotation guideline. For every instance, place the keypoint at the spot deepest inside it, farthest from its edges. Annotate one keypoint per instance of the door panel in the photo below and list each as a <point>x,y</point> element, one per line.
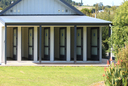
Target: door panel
<point>30,51</point>
<point>30,43</point>
<point>62,37</point>
<point>94,37</point>
<point>94,51</point>
<point>80,44</point>
<point>79,51</point>
<point>30,37</point>
<point>46,31</point>
<point>15,37</point>
<point>62,51</point>
<point>46,44</point>
<point>79,37</point>
<point>63,44</point>
<point>46,51</point>
<point>14,43</point>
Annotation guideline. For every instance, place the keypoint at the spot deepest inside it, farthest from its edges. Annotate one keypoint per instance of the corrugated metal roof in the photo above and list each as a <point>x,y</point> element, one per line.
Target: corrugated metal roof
<point>52,19</point>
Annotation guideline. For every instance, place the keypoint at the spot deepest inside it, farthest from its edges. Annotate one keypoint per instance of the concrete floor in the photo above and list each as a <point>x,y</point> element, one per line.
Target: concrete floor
<point>103,64</point>
<point>53,65</point>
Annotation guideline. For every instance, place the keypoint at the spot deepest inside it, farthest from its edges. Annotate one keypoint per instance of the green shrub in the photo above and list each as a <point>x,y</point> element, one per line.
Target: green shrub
<point>117,74</point>
<point>103,52</point>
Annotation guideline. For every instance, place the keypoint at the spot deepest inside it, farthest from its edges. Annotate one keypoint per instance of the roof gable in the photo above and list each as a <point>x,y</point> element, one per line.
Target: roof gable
<point>41,7</point>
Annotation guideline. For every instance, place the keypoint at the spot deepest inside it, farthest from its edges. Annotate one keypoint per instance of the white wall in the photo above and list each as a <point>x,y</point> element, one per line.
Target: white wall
<point>40,7</point>
<point>56,42</point>
<point>24,42</point>
<point>10,42</point>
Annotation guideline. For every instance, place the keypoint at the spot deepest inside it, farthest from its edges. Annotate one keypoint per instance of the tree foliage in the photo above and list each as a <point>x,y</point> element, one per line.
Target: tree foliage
<point>96,8</point>
<point>120,29</point>
<point>86,11</point>
<point>108,15</point>
<point>0,8</point>
<point>5,3</point>
<point>69,1</point>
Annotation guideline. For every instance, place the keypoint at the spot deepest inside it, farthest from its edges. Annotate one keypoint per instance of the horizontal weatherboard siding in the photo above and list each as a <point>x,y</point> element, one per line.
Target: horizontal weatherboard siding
<point>40,7</point>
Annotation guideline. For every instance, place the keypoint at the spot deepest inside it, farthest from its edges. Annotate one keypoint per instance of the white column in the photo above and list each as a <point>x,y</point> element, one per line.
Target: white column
<point>35,43</point>
<point>100,44</point>
<point>68,44</point>
<point>19,56</point>
<point>52,44</point>
<point>84,44</point>
<point>1,44</point>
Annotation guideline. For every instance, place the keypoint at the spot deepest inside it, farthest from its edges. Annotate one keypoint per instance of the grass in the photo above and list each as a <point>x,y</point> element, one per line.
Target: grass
<point>50,76</point>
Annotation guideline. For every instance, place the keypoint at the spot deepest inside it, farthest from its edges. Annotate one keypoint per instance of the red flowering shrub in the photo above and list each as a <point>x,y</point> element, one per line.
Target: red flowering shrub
<point>117,74</point>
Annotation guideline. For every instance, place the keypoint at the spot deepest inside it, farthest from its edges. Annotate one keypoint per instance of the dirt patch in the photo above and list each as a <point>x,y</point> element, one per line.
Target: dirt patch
<point>98,84</point>
<point>22,72</point>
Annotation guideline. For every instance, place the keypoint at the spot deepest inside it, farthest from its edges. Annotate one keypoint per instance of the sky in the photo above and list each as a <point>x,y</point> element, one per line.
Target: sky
<point>105,2</point>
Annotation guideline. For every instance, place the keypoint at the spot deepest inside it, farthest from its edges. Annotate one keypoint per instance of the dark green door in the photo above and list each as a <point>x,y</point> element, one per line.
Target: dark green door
<point>62,43</point>
<point>95,44</point>
<point>46,44</point>
<point>30,43</point>
<point>14,43</point>
<point>80,44</point>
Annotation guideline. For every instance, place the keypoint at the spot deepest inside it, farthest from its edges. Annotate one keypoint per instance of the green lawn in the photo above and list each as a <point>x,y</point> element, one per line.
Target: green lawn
<point>50,76</point>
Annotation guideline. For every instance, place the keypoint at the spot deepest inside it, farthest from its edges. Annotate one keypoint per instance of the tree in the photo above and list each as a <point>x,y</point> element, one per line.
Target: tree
<point>96,8</point>
<point>5,3</point>
<point>73,2</point>
<point>120,29</point>
<point>108,6</point>
<point>86,11</point>
<point>108,15</point>
<point>100,6</point>
<point>0,8</point>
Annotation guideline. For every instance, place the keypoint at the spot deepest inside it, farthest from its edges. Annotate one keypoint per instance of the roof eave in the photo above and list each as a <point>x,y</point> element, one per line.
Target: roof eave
<point>50,24</point>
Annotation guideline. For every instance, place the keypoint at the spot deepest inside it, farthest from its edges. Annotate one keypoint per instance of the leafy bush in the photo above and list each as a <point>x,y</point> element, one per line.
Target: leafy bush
<point>87,12</point>
<point>123,56</point>
<point>120,29</point>
<point>103,51</point>
<point>117,74</point>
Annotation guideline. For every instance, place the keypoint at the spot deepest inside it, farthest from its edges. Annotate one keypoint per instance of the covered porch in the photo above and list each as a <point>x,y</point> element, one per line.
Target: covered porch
<point>50,41</point>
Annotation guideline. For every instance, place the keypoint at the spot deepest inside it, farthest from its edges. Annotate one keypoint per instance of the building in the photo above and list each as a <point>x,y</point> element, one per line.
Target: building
<point>49,31</point>
<point>81,2</point>
<point>100,11</point>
